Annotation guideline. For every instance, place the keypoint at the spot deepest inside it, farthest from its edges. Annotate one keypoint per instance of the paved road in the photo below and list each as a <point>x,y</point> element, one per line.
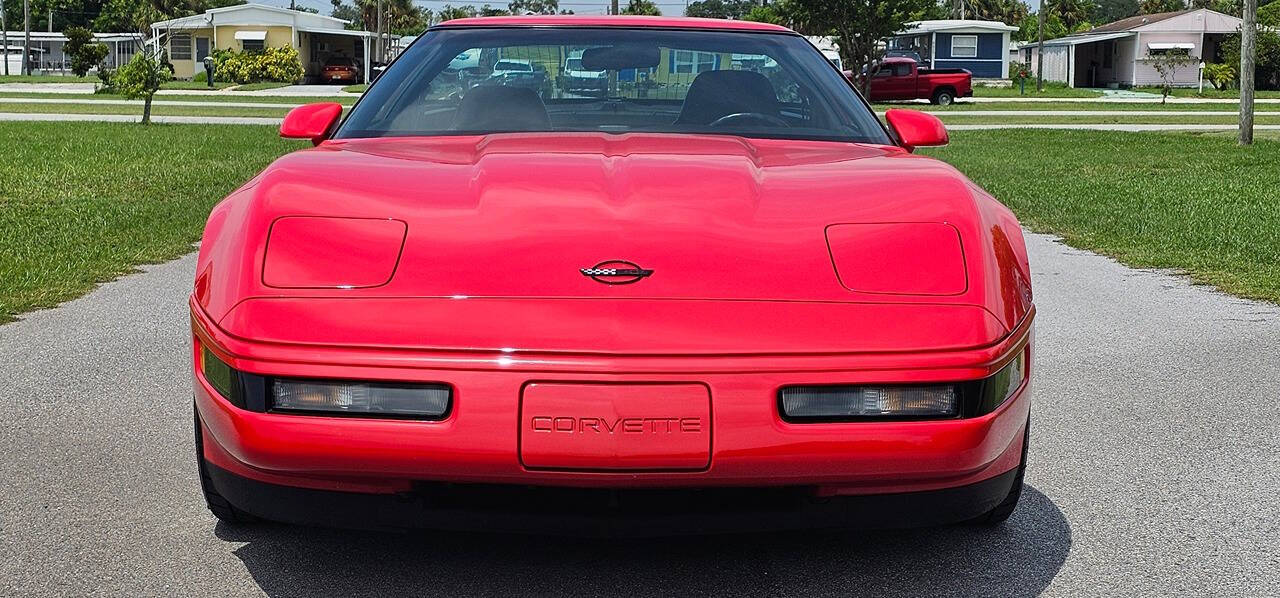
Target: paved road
<point>1155,469</point>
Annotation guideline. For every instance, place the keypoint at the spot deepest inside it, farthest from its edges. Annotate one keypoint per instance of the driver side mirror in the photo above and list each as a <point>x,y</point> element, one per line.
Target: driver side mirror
<point>916,129</point>
<point>311,121</point>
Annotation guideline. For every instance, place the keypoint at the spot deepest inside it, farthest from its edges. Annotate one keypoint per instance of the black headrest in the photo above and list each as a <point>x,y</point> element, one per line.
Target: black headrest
<point>714,94</point>
<point>501,108</point>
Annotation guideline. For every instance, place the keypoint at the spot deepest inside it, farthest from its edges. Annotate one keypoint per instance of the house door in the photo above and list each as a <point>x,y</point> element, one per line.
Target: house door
<point>202,50</point>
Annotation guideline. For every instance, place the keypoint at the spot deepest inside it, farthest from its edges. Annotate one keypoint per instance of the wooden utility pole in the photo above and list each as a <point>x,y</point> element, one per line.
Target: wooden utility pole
<point>26,43</point>
<point>614,7</point>
<point>1248,49</point>
<point>1040,47</point>
<point>378,48</point>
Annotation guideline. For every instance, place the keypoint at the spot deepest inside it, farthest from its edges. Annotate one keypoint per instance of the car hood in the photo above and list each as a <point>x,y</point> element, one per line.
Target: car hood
<point>519,216</point>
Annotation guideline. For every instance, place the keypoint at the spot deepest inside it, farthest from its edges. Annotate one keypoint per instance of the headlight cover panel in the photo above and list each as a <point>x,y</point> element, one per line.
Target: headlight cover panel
<point>899,258</point>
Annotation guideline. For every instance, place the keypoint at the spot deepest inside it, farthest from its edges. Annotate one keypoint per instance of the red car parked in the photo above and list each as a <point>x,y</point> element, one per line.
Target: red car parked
<point>731,300</point>
<point>903,79</point>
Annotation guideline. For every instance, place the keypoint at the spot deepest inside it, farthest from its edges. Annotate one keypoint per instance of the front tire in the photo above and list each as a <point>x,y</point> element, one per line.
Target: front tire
<point>944,97</point>
<point>223,510</point>
<point>1002,511</point>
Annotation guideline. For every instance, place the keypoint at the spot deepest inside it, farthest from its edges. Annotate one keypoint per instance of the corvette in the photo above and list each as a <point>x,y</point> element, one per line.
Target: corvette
<point>720,296</point>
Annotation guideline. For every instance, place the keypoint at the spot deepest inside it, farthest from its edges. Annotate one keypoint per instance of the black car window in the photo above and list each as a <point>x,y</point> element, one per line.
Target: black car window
<point>503,79</point>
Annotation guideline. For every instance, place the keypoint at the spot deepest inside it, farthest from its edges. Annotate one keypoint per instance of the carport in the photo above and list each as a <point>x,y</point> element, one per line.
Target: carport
<point>318,45</point>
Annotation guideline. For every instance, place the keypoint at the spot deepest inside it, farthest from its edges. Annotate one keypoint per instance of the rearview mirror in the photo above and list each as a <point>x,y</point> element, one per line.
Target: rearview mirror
<point>311,121</point>
<point>916,129</point>
<point>617,58</point>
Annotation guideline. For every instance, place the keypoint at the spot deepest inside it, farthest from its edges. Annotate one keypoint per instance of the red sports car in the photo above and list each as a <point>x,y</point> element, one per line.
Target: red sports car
<point>721,296</point>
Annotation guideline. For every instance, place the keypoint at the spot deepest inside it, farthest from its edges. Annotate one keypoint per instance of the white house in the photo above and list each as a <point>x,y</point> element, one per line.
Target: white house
<point>47,56</point>
<point>979,46</point>
<point>248,27</point>
<point>1119,54</point>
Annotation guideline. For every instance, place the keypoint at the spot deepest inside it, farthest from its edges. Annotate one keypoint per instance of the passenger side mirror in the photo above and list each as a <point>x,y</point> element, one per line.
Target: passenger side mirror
<point>311,121</point>
<point>916,129</point>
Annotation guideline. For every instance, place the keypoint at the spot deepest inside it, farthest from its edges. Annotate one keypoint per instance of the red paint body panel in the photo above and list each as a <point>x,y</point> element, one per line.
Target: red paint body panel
<point>643,427</point>
<point>308,252</point>
<point>774,263</point>
<point>917,129</point>
<point>902,258</point>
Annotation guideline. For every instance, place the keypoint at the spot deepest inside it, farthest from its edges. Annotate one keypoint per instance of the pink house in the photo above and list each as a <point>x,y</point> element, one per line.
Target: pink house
<point>1119,54</point>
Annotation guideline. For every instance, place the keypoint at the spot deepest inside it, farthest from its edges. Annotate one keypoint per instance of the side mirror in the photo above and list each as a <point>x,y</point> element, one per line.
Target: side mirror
<point>916,129</point>
<point>311,121</point>
<point>848,74</point>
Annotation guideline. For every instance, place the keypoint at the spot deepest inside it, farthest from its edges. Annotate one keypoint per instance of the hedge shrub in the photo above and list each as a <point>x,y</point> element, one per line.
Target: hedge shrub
<point>272,64</point>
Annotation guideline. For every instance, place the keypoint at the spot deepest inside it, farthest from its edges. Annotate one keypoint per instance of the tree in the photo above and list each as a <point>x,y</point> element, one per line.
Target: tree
<point>534,7</point>
<point>1269,15</point>
<point>1072,13</point>
<point>1004,11</point>
<point>349,13</point>
<point>85,53</point>
<point>1029,28</point>
<point>1113,10</point>
<point>1166,64</point>
<point>141,77</point>
<point>1266,56</point>
<point>642,7</point>
<point>449,12</point>
<point>1151,7</point>
<point>765,14</point>
<point>719,9</point>
<point>858,26</point>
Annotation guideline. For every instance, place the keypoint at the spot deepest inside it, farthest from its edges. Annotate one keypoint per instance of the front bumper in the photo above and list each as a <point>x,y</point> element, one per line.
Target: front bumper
<point>608,512</point>
<point>478,442</point>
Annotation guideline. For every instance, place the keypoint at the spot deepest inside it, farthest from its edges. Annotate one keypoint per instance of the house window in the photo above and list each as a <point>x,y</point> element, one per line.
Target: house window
<point>687,61</point>
<point>253,45</point>
<point>180,46</point>
<point>964,46</point>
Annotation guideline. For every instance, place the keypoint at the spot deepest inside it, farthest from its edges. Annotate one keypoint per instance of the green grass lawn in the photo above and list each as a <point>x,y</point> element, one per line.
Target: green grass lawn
<point>1108,106</point>
<point>70,219</point>
<point>1199,204</point>
<point>1189,118</point>
<point>356,88</point>
<point>212,109</point>
<point>211,98</point>
<point>1050,91</point>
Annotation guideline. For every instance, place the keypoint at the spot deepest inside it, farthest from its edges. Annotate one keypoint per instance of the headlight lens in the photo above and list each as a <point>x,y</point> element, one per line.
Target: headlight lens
<point>371,399</point>
<point>918,401</point>
<point>869,401</point>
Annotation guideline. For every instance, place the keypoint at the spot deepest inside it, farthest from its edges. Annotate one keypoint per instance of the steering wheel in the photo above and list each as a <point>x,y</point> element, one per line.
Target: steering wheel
<point>745,116</point>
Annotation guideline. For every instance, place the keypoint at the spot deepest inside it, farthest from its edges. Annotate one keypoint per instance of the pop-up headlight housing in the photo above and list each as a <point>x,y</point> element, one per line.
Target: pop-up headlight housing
<point>898,258</point>
<point>316,252</point>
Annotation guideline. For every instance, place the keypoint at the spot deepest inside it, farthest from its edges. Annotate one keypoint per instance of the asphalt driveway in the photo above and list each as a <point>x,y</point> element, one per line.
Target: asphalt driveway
<point>1155,469</point>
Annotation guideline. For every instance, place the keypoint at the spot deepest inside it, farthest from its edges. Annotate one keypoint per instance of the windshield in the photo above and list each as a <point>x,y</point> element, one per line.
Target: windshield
<point>655,80</point>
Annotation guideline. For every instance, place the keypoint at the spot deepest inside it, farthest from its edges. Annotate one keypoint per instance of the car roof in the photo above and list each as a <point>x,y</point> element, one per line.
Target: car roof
<point>612,21</point>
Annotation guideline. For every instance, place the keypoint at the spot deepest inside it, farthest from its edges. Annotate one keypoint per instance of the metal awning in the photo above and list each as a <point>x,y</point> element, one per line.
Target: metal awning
<point>350,32</point>
<point>252,35</point>
<point>1171,46</point>
<point>1075,40</point>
